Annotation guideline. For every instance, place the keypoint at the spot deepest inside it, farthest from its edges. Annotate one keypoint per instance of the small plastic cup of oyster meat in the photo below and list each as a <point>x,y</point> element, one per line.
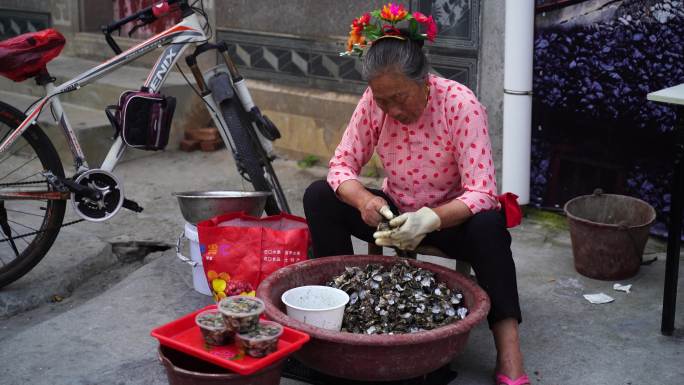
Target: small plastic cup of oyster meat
<point>261,341</point>
<point>213,328</point>
<point>241,313</point>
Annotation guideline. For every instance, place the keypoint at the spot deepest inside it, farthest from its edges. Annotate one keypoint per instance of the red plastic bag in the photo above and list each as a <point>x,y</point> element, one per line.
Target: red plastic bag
<point>239,251</point>
<point>511,208</point>
<point>23,56</point>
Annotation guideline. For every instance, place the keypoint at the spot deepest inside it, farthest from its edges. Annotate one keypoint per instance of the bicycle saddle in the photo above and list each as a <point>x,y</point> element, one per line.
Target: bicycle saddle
<point>24,56</point>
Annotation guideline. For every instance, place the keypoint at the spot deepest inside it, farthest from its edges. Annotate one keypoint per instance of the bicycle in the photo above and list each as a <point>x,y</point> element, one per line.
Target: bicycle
<point>33,186</point>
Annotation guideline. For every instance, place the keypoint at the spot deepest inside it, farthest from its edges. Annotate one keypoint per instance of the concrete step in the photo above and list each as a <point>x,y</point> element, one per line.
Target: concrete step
<point>62,270</point>
<point>85,107</point>
<point>81,116</point>
<point>92,46</point>
<point>104,91</point>
<point>311,121</point>
<point>91,126</point>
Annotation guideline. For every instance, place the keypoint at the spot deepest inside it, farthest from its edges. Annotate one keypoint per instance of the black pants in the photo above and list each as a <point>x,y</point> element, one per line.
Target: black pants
<point>483,241</point>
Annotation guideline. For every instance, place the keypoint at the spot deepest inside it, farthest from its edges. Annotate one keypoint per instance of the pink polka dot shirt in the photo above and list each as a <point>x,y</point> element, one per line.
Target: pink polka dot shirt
<point>445,155</point>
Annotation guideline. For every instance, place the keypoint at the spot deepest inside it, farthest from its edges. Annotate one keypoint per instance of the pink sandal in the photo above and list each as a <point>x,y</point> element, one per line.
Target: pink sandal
<point>502,379</point>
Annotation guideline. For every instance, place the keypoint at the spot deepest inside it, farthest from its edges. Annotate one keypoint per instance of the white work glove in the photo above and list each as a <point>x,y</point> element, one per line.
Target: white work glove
<point>386,212</point>
<point>409,229</point>
<point>385,239</point>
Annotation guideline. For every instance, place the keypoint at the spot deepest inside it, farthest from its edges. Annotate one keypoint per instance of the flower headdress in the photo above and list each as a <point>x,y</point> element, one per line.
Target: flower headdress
<point>384,22</point>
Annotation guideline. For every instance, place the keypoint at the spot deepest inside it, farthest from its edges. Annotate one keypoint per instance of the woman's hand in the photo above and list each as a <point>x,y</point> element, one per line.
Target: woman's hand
<point>371,207</point>
<point>373,211</point>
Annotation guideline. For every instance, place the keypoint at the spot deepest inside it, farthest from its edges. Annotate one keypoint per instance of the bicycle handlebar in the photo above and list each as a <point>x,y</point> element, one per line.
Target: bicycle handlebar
<point>147,15</point>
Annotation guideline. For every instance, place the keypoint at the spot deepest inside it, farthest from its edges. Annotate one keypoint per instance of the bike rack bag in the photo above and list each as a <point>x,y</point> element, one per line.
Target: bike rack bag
<point>143,119</point>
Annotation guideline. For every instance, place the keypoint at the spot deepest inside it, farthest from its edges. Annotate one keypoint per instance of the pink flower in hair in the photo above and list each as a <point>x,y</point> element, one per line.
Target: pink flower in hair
<point>421,18</point>
<point>429,23</point>
<point>431,29</point>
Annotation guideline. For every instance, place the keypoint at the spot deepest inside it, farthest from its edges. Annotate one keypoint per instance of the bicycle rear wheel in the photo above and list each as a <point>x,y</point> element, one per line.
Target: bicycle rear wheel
<point>252,158</point>
<point>28,228</point>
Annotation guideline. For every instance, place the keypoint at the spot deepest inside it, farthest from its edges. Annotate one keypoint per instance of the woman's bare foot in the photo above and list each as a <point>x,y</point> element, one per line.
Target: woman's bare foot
<point>509,360</point>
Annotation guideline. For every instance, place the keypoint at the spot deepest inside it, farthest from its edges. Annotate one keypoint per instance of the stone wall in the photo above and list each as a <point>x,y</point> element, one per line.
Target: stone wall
<point>491,74</point>
<point>19,16</point>
<point>308,18</point>
<point>294,57</point>
<point>311,121</point>
<point>288,50</point>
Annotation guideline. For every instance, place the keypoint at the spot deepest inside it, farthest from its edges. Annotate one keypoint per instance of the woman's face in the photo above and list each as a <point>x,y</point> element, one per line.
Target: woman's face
<point>398,96</point>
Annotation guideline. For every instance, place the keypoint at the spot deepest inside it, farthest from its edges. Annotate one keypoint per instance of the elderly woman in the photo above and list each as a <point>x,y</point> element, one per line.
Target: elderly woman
<point>431,136</point>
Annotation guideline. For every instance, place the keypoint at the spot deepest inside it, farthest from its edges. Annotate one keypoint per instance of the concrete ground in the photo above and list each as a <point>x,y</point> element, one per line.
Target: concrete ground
<point>84,314</point>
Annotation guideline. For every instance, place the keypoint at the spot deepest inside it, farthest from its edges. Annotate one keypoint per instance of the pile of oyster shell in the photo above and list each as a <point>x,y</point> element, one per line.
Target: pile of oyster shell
<point>397,299</point>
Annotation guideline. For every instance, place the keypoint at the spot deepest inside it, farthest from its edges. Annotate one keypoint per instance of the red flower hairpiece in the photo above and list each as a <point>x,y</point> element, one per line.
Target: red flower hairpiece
<point>377,24</point>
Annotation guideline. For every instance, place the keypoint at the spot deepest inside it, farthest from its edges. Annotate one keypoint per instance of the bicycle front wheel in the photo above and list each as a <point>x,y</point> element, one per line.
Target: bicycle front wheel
<point>252,159</point>
<point>28,227</point>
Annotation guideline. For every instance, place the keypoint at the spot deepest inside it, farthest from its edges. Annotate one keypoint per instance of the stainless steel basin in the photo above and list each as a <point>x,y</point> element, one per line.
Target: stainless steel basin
<point>197,206</point>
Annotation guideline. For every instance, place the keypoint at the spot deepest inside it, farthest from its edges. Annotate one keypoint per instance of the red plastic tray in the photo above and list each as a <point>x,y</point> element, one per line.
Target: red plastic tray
<point>184,335</point>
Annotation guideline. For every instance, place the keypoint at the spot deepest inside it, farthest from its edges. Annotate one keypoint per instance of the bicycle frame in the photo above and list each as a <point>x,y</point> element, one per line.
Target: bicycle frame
<point>250,147</point>
<point>178,37</point>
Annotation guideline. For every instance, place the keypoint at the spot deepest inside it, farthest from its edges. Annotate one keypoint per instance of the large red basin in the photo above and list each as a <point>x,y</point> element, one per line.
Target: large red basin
<point>373,357</point>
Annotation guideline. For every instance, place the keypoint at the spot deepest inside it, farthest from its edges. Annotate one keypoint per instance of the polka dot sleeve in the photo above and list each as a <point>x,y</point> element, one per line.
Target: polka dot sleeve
<point>473,151</point>
<point>357,144</point>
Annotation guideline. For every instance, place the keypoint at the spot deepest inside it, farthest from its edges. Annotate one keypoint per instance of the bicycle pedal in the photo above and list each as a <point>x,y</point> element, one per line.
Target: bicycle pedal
<point>132,205</point>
